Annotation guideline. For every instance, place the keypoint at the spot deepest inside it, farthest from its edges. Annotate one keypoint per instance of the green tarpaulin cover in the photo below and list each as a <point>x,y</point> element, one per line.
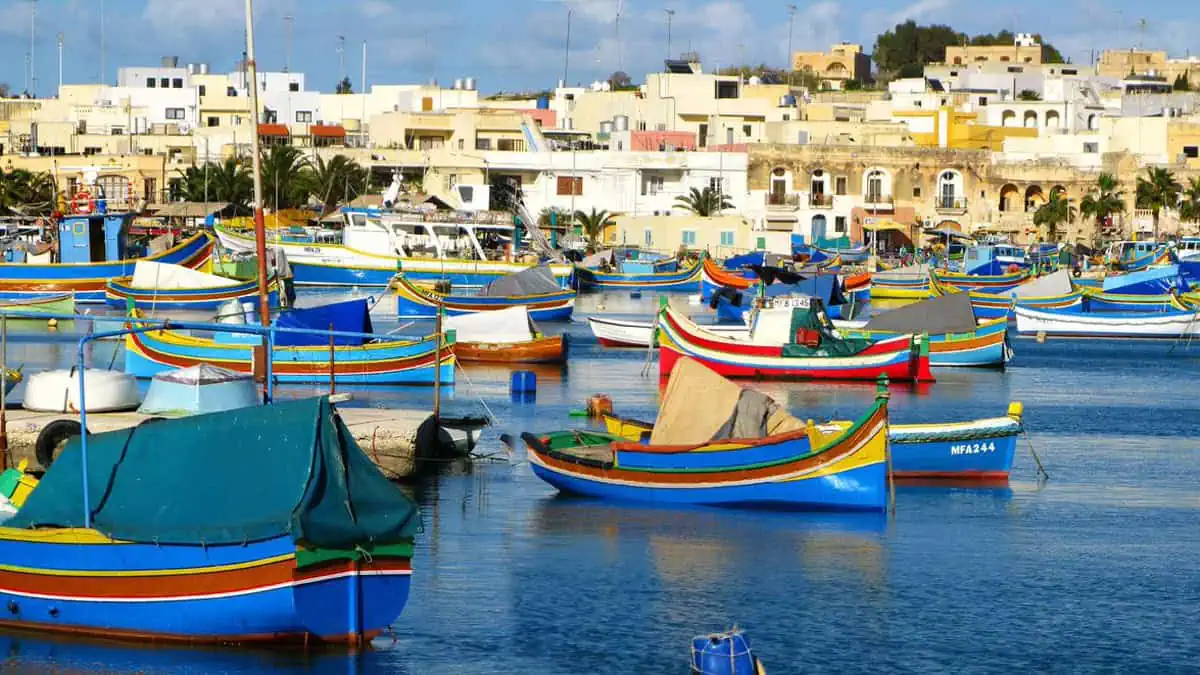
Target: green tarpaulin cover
<point>813,318</point>
<point>230,477</point>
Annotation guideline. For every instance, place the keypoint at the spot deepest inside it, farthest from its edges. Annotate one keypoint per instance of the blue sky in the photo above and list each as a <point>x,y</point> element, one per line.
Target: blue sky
<point>518,44</point>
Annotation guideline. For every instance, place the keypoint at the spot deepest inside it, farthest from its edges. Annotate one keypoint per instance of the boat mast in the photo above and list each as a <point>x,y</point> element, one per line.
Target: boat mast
<point>260,234</point>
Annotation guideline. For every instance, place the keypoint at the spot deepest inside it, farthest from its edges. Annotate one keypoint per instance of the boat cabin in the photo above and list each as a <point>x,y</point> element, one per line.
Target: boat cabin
<point>1188,247</point>
<point>93,237</point>
<point>993,260</point>
<point>425,234</point>
<point>1128,251</point>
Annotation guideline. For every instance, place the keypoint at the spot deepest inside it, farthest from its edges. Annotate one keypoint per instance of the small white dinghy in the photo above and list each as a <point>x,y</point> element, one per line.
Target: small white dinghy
<point>199,389</point>
<point>57,391</point>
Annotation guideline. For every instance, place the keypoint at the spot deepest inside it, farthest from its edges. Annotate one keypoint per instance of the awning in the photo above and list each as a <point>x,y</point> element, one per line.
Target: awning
<point>272,130</point>
<point>330,131</point>
<point>885,226</point>
<point>187,209</point>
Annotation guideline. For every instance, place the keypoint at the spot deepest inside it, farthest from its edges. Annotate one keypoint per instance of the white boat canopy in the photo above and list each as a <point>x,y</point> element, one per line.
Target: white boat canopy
<point>503,326</point>
<point>167,277</point>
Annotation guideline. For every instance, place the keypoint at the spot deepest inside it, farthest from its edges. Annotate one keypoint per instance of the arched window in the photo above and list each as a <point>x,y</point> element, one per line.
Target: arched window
<point>1030,119</point>
<point>1008,118</point>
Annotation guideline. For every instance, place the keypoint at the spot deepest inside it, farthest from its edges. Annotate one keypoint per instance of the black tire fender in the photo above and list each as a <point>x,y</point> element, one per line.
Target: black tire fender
<point>52,436</point>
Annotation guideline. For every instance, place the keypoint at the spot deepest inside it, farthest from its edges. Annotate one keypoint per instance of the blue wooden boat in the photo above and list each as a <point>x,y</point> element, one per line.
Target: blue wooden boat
<point>301,358</point>
<point>906,283</point>
<point>1100,301</point>
<point>955,337</point>
<point>685,279</point>
<point>181,532</point>
<point>1074,322</point>
<point>994,260</point>
<point>1158,280</point>
<point>159,286</point>
<point>790,466</point>
<point>84,269</point>
<point>1055,290</point>
<point>993,283</point>
<point>534,289</point>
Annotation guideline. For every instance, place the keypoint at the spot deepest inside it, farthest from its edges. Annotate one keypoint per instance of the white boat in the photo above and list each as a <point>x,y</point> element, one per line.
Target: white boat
<point>622,333</point>
<point>1157,325</point>
<point>57,391</point>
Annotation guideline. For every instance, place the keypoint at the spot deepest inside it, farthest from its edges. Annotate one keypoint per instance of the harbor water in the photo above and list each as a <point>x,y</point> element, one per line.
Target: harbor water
<point>1097,569</point>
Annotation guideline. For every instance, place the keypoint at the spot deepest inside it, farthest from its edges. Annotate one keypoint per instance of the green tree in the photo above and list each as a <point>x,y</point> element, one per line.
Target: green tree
<point>908,45</point>
<point>1158,190</point>
<point>1181,83</point>
<point>1103,204</point>
<point>1029,95</point>
<point>337,181</point>
<point>345,87</point>
<point>1189,208</point>
<point>27,193</point>
<point>227,181</point>
<point>704,203</point>
<point>283,177</point>
<point>593,225</point>
<point>1057,211</point>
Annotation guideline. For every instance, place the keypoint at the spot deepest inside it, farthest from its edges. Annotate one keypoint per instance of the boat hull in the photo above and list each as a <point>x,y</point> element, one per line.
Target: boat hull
<point>916,288</point>
<point>539,350</point>
<point>118,293</point>
<point>687,279</point>
<point>412,301</point>
<point>1149,326</point>
<point>985,347</point>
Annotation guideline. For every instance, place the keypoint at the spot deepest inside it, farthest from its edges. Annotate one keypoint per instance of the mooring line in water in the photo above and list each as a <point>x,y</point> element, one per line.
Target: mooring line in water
<point>649,353</point>
<point>1037,460</point>
<point>1186,333</point>
<point>471,388</point>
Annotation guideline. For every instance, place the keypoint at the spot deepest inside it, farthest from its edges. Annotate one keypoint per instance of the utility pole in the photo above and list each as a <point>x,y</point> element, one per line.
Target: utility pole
<point>791,65</point>
<point>362,124</point>
<point>288,19</point>
<point>260,234</point>
<point>33,79</point>
<point>341,52</point>
<point>60,64</point>
<point>670,15</point>
<point>567,48</point>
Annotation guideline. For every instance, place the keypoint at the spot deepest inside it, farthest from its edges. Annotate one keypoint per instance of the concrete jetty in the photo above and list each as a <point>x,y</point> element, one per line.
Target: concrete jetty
<point>398,441</point>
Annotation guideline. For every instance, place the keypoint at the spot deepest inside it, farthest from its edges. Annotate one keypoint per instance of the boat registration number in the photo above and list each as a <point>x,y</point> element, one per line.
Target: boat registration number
<point>790,303</point>
<point>972,448</point>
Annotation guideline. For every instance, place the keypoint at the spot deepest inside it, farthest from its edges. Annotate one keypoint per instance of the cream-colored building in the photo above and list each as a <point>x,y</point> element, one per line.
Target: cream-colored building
<point>1121,63</point>
<point>842,63</point>
<point>1015,53</point>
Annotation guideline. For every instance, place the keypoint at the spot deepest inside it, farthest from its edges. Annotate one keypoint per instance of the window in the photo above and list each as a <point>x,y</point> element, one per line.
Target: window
<point>652,185</point>
<point>689,237</point>
<point>727,89</point>
<point>483,144</point>
<point>982,100</point>
<point>569,185</point>
<point>761,244</point>
<point>293,86</point>
<point>1190,151</point>
<point>451,181</point>
<point>1093,148</point>
<point>304,116</point>
<point>462,144</point>
<point>164,82</point>
<point>177,83</point>
<point>510,145</point>
<point>230,91</point>
<point>641,125</point>
<point>702,136</point>
<point>151,83</point>
<point>213,122</point>
<point>839,185</point>
<point>717,185</point>
<point>727,238</point>
<point>467,193</point>
<point>1070,71</point>
<point>175,113</point>
<point>916,191</point>
<point>648,237</point>
<point>786,117</point>
<point>149,189</point>
<point>116,131</point>
<point>746,128</point>
<point>839,224</point>
<point>203,90</point>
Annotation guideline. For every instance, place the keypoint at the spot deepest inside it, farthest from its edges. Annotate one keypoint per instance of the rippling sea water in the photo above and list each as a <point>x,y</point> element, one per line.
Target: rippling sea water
<point>1097,569</point>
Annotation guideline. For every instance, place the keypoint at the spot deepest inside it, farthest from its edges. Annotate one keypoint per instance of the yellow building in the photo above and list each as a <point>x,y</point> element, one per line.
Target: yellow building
<point>949,128</point>
<point>1015,53</point>
<point>1120,63</point>
<point>842,63</point>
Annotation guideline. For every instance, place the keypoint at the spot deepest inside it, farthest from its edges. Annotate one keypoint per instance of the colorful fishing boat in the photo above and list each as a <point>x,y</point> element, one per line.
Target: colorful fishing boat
<point>772,352</point>
<point>978,450</point>
<point>299,357</point>
<point>687,278</point>
<point>906,283</point>
<point>764,458</point>
<point>316,548</point>
<point>626,333</point>
<point>1073,322</point>
<point>956,339</point>
<point>60,304</point>
<point>86,279</point>
<point>1157,280</point>
<point>1100,301</point>
<point>534,289</point>
<point>995,283</point>
<point>160,286</point>
<point>504,336</point>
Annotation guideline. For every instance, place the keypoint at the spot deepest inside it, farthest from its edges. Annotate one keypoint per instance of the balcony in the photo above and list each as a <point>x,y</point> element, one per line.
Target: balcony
<point>782,202</point>
<point>878,202</point>
<point>820,201</point>
<point>950,205</point>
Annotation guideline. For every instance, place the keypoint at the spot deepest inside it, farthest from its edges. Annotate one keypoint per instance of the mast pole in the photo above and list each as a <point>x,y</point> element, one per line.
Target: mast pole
<point>260,235</point>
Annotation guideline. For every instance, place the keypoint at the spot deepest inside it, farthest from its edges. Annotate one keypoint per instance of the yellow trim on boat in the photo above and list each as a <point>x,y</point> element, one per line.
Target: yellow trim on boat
<point>185,571</point>
<point>61,535</point>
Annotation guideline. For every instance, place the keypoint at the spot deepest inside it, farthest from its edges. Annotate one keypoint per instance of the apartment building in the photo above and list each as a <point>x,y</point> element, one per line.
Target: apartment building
<point>842,63</point>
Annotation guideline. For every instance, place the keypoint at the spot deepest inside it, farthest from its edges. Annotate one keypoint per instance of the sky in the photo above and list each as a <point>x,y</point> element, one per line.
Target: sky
<point>519,45</point>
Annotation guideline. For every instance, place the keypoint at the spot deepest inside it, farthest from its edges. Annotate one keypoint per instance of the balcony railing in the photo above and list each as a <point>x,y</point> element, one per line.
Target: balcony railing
<point>783,200</point>
<point>950,204</point>
<point>878,201</point>
<point>820,201</point>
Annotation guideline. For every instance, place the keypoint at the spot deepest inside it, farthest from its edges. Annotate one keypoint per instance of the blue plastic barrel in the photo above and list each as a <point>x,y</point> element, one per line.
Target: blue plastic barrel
<point>523,382</point>
<point>723,654</point>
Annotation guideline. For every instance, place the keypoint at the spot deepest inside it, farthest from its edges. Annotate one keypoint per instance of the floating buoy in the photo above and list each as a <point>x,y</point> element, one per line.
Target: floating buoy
<point>523,382</point>
<point>724,654</point>
<point>1041,337</point>
<point>599,405</point>
<point>52,323</point>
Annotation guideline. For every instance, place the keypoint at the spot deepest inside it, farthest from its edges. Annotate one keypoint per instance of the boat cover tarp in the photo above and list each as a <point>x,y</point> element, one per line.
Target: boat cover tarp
<point>168,277</point>
<point>814,319</point>
<point>533,281</point>
<point>951,313</point>
<point>351,316</point>
<point>509,325</point>
<point>1057,283</point>
<point>290,468</point>
<point>198,389</point>
<point>725,410</point>
<point>598,259</point>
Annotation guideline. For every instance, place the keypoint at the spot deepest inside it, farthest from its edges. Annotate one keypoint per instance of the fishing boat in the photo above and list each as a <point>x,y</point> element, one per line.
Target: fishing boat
<point>792,341</point>
<point>1100,301</point>
<point>994,260</point>
<point>301,357</point>
<point>905,283</point>
<point>730,447</point>
<point>1052,291</point>
<point>849,254</point>
<point>1136,256</point>
<point>534,288</point>
<point>372,251</point>
<point>1073,322</point>
<point>162,286</point>
<point>627,333</point>
<point>687,278</point>
<point>980,449</point>
<point>503,336</point>
<point>58,390</point>
<point>315,549</point>
<point>995,283</point>
<point>1156,280</point>
<point>60,304</point>
<point>713,278</point>
<point>955,337</point>
<point>85,269</point>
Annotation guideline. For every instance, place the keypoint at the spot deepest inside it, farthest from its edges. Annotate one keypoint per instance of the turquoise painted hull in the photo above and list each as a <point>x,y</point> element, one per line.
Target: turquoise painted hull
<point>683,280</point>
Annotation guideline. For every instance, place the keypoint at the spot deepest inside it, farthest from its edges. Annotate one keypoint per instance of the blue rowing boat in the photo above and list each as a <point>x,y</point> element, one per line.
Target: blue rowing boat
<point>685,279</point>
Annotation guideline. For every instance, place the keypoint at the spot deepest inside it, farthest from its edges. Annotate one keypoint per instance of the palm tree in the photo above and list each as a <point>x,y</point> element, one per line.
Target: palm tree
<point>1189,208</point>
<point>1058,210</point>
<point>593,225</point>
<point>1157,191</point>
<point>228,181</point>
<point>1105,203</point>
<point>27,193</point>
<point>337,181</point>
<point>282,177</point>
<point>704,203</point>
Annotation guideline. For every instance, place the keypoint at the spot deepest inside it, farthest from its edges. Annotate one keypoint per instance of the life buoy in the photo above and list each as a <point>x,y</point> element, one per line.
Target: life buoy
<point>81,203</point>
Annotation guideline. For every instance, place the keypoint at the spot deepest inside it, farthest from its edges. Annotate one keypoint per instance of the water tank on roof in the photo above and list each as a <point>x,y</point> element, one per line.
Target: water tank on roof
<point>755,80</point>
<point>787,101</point>
<point>170,62</point>
<point>458,83</point>
<point>606,86</point>
<point>606,127</point>
<point>202,68</point>
<point>191,69</point>
<point>543,102</point>
<point>469,84</point>
<point>621,123</point>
